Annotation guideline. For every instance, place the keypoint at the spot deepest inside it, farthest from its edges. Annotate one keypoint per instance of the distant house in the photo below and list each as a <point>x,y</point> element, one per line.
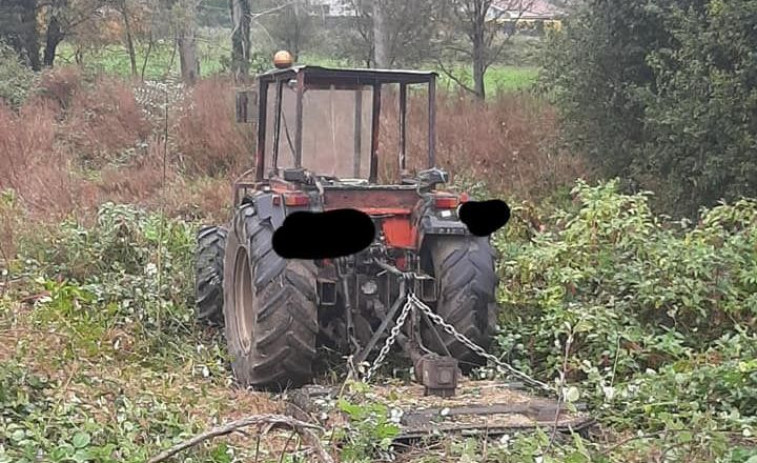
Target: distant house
<point>527,10</point>
<point>527,17</point>
<point>332,9</point>
<point>531,15</point>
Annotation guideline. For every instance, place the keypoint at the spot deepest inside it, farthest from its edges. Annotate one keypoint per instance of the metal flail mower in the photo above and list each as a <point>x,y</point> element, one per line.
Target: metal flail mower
<point>442,401</point>
<point>478,408</point>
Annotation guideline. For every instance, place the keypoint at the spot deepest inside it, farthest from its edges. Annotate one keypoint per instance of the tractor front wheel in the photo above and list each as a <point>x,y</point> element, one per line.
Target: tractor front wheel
<point>270,308</point>
<point>466,279</point>
<point>211,243</point>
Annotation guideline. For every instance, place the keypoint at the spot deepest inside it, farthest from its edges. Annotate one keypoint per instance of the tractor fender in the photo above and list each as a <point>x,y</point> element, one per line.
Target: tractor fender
<point>433,223</point>
<point>265,209</point>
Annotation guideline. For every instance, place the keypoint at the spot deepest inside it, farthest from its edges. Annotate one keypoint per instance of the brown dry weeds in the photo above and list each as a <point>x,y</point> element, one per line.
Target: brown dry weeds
<point>82,141</point>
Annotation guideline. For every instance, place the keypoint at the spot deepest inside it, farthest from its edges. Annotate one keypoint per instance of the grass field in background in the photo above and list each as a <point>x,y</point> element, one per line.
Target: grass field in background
<point>162,61</point>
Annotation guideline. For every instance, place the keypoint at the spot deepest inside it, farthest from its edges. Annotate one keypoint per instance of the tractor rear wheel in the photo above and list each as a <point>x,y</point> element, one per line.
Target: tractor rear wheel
<point>270,308</point>
<point>466,279</point>
<point>211,243</point>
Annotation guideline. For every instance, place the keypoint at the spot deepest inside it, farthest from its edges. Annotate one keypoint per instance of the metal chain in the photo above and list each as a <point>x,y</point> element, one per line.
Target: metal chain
<point>413,301</point>
<point>470,344</point>
<point>390,340</point>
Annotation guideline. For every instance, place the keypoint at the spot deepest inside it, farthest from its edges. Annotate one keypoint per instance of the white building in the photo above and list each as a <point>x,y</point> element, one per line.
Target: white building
<point>332,8</point>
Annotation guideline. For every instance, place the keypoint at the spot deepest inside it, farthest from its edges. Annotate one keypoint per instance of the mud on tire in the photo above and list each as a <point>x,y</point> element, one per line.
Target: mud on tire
<point>271,312</point>
<point>464,269</point>
<point>209,256</point>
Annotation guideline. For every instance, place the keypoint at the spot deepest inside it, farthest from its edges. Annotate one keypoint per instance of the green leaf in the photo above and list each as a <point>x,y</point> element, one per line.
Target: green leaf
<point>81,440</point>
<point>572,394</point>
<point>583,326</point>
<point>576,457</point>
<point>685,437</point>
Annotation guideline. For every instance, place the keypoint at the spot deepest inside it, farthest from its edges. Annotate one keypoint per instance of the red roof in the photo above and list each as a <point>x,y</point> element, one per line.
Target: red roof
<point>529,8</point>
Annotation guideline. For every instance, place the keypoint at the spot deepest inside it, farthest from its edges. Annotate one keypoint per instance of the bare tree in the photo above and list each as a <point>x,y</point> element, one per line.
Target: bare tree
<point>474,34</point>
<point>123,7</point>
<point>289,24</point>
<point>408,28</point>
<point>64,18</point>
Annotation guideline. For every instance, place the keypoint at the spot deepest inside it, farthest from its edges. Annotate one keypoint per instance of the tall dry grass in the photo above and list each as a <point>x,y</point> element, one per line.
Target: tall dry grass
<point>209,140</point>
<point>79,142</point>
<point>509,142</point>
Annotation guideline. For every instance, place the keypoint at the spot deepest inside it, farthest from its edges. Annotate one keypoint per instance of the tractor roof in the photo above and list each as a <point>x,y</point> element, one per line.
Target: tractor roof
<point>316,75</point>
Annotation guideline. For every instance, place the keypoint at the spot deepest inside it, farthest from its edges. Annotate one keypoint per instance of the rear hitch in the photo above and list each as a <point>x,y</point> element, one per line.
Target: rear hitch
<point>438,375</point>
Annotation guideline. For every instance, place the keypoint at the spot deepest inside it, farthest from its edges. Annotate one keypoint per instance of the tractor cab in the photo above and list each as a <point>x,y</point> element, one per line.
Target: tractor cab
<point>328,121</point>
<point>318,148</point>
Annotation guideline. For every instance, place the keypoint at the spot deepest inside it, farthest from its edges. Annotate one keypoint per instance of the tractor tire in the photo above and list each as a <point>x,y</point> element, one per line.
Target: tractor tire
<point>270,308</point>
<point>467,281</point>
<point>211,243</point>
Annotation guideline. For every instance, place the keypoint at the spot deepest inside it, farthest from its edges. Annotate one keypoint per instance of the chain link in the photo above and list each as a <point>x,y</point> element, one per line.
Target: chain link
<point>413,301</point>
<point>471,345</point>
<point>390,340</point>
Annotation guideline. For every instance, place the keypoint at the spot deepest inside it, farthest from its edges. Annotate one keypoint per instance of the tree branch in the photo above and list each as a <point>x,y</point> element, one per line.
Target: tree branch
<point>454,78</point>
<point>300,427</point>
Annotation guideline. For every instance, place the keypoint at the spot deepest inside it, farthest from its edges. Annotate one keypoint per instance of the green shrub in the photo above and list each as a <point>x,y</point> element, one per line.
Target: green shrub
<point>130,268</point>
<point>702,120</point>
<point>638,293</point>
<point>663,92</point>
<point>15,79</point>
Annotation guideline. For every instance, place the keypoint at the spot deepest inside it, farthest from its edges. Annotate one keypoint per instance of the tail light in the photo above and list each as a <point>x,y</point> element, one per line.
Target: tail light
<point>446,202</point>
<point>296,199</point>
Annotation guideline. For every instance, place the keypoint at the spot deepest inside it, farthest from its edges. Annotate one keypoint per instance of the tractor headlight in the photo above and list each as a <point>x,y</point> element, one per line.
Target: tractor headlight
<point>369,288</point>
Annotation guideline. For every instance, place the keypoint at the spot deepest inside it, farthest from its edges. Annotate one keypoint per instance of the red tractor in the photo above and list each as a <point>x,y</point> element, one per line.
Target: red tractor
<point>278,312</point>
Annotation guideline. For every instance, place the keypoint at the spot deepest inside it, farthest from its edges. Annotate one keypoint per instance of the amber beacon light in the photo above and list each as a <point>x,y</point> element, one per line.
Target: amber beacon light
<point>282,59</point>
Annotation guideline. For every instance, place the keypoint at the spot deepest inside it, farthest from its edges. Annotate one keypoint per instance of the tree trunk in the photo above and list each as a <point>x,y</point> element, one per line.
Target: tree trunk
<point>29,34</point>
<point>379,36</point>
<point>150,44</point>
<point>53,37</point>
<point>240,39</point>
<point>296,39</point>
<point>479,54</point>
<point>129,40</point>
<point>190,65</point>
<point>479,70</point>
<point>79,56</point>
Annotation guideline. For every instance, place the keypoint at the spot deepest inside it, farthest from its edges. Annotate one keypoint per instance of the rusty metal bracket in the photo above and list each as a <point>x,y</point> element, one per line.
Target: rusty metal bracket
<point>438,375</point>
<point>384,324</point>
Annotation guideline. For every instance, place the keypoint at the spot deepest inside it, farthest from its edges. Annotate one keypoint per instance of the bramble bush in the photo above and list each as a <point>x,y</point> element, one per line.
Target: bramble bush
<point>130,261</point>
<point>108,365</point>
<point>662,313</point>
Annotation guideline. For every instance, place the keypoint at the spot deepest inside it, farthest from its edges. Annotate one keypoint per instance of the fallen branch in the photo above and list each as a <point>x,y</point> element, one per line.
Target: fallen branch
<point>300,427</point>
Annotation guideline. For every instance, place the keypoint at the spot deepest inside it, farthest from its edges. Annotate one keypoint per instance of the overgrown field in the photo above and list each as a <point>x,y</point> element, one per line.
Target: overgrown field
<point>649,321</point>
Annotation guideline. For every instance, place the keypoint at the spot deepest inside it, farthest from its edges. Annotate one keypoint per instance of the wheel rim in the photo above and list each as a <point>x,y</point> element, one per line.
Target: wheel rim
<point>243,300</point>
